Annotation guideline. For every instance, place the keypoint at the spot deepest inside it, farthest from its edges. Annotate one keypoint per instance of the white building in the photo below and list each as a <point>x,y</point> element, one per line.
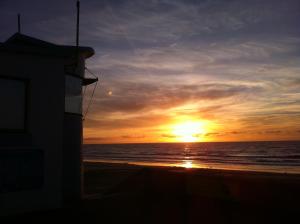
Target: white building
<point>40,123</point>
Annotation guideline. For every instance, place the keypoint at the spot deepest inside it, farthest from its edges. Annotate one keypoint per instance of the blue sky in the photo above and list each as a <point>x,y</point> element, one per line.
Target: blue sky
<point>234,63</point>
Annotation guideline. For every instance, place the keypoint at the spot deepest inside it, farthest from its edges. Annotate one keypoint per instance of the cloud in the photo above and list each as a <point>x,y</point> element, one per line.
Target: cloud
<point>219,60</point>
<point>135,122</point>
<point>133,136</point>
<point>237,132</point>
<point>97,139</point>
<point>167,21</point>
<point>273,132</point>
<point>133,97</point>
<point>169,136</point>
<point>209,134</point>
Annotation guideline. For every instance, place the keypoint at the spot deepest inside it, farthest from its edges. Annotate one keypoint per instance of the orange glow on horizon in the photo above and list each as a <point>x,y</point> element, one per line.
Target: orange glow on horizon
<point>182,129</point>
<point>189,131</point>
<point>188,164</point>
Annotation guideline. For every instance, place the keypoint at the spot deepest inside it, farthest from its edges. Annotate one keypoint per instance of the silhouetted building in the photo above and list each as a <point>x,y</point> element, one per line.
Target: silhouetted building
<point>40,123</point>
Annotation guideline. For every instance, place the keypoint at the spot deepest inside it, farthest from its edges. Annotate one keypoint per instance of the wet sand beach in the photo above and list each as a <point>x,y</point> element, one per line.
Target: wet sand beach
<point>122,193</point>
<point>179,195</point>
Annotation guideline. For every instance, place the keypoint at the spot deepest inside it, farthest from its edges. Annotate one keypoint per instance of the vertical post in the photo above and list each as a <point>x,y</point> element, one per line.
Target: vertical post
<point>77,23</point>
<point>77,36</point>
<point>19,23</point>
<point>81,178</point>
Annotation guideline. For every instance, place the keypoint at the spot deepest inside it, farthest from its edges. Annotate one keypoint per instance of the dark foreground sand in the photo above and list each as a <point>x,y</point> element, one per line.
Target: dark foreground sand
<point>121,193</point>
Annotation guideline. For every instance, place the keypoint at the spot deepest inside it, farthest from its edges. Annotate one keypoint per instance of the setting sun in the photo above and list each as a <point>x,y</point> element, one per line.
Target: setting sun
<point>189,131</point>
<point>187,164</point>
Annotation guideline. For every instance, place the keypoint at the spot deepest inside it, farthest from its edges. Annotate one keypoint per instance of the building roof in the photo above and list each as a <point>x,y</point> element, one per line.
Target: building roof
<point>25,44</point>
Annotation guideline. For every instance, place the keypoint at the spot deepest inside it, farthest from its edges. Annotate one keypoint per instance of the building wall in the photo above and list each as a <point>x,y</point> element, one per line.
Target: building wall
<point>44,131</point>
<point>72,145</point>
<point>72,170</point>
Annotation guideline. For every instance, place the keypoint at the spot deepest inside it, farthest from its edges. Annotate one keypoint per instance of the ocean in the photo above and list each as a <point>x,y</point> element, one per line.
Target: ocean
<point>279,156</point>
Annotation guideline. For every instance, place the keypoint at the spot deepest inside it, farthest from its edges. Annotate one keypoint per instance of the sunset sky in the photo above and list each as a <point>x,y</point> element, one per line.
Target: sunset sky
<point>175,70</point>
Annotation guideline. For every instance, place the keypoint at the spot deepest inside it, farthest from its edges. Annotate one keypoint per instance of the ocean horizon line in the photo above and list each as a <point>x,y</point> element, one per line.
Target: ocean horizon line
<point>125,143</point>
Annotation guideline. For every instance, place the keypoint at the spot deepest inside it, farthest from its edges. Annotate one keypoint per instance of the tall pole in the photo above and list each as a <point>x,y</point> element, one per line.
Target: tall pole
<point>19,23</point>
<point>77,23</point>
<point>77,34</point>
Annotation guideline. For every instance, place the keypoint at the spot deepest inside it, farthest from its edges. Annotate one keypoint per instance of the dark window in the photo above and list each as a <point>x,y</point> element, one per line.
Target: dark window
<point>73,96</point>
<point>13,104</point>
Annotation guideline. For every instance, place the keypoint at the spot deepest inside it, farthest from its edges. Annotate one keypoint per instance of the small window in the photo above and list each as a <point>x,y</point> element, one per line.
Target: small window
<point>13,104</point>
<point>73,96</point>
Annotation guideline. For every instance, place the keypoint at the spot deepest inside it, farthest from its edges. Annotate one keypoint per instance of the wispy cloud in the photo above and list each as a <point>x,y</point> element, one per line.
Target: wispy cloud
<point>234,62</point>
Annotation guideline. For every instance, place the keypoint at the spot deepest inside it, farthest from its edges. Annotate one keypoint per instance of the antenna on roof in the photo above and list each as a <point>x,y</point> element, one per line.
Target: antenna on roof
<point>77,23</point>
<point>77,33</point>
<point>19,23</point>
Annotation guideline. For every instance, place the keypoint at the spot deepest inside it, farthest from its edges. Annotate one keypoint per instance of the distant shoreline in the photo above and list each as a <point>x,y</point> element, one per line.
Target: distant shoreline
<point>162,193</point>
<point>122,164</point>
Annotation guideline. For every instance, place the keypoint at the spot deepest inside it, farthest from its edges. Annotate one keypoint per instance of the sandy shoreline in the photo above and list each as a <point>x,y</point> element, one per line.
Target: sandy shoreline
<point>190,165</point>
<point>117,172</point>
<point>124,193</point>
<point>179,195</point>
<point>162,165</point>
